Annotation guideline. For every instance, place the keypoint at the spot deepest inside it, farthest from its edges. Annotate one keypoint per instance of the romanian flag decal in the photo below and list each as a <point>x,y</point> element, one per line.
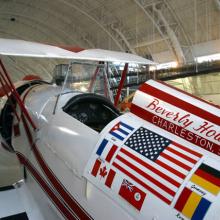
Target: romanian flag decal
<point>192,205</point>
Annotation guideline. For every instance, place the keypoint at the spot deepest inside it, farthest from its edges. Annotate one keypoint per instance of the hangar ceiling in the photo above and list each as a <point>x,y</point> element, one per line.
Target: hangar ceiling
<point>163,30</point>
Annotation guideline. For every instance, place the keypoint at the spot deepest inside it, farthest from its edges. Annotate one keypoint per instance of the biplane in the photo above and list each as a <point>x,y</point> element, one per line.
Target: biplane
<point>82,159</point>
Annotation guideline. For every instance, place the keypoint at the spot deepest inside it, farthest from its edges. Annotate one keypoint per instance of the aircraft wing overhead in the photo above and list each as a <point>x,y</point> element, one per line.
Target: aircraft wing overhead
<point>12,47</point>
<point>23,48</point>
<point>112,56</point>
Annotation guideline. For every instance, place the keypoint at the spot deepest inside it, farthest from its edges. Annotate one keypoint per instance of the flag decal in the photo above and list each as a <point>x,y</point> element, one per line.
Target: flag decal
<point>208,178</point>
<point>132,194</point>
<point>121,130</point>
<point>96,167</point>
<point>192,205</point>
<point>155,162</point>
<point>106,150</point>
<point>101,147</point>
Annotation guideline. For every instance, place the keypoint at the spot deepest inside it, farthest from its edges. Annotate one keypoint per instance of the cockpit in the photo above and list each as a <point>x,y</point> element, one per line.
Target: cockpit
<point>92,110</point>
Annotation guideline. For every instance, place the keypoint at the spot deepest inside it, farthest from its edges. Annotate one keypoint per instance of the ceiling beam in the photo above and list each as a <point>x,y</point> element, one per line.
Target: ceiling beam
<point>30,27</point>
<point>154,13</point>
<point>174,42</point>
<point>147,43</point>
<point>150,16</point>
<point>60,24</point>
<point>184,38</point>
<point>116,34</point>
<point>119,32</point>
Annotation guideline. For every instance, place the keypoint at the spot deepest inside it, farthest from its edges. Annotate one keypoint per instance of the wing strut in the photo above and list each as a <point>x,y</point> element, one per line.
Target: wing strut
<point>93,79</point>
<point>8,85</point>
<point>123,77</point>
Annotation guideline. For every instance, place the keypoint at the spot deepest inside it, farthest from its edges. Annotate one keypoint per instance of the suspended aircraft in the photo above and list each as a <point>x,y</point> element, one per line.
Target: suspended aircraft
<point>82,159</point>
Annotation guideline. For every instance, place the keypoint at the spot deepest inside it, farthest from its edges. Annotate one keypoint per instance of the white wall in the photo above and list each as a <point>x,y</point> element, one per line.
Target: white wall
<point>202,49</point>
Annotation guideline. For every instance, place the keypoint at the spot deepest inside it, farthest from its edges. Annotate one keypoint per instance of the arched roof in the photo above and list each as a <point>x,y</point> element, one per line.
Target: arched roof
<point>164,30</point>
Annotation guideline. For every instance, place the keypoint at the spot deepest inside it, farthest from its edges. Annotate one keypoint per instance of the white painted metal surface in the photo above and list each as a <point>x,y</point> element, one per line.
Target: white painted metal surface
<point>68,150</point>
<point>31,49</point>
<point>22,48</point>
<point>20,200</point>
<point>10,203</point>
<point>67,155</point>
<point>112,56</point>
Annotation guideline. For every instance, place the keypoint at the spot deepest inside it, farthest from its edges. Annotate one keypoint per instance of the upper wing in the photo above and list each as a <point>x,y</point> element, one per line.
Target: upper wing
<point>32,49</point>
<point>23,48</point>
<point>112,56</point>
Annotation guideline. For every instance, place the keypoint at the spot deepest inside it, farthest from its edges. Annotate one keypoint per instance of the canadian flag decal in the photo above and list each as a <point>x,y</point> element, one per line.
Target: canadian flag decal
<point>132,194</point>
<point>106,175</point>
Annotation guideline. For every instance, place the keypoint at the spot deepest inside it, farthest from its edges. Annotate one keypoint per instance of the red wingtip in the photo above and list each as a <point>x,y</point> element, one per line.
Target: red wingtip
<point>71,48</point>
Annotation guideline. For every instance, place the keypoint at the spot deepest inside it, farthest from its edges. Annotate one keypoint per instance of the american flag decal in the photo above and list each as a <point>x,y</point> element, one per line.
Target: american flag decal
<point>155,162</point>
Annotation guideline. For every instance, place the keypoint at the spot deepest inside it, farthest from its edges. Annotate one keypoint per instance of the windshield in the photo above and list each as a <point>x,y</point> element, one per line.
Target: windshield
<point>86,77</point>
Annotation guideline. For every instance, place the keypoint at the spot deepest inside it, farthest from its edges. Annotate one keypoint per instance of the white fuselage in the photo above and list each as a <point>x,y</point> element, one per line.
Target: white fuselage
<point>133,169</point>
<point>62,147</point>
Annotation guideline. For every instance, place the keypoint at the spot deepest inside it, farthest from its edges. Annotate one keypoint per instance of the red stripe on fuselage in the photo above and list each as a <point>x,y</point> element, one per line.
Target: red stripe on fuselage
<point>96,167</point>
<point>175,161</point>
<point>68,199</point>
<point>185,157</point>
<point>171,169</point>
<point>195,97</point>
<point>148,89</point>
<point>43,184</point>
<point>110,178</point>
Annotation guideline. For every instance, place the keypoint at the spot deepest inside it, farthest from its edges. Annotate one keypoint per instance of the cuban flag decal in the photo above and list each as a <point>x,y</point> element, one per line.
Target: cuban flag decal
<point>121,130</point>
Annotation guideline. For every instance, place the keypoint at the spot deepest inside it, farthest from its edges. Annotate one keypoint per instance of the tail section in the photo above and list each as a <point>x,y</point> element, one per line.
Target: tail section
<point>179,114</point>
